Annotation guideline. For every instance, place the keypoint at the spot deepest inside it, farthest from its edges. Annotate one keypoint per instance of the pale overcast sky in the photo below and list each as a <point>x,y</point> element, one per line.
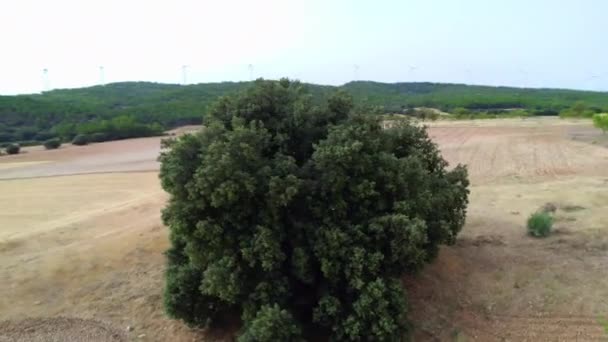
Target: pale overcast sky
<point>539,43</point>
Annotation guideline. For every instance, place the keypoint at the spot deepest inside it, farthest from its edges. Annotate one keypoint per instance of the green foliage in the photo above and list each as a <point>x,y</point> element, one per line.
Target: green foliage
<point>294,213</point>
<point>465,114</point>
<point>99,137</point>
<point>271,324</point>
<point>540,224</point>
<point>120,127</point>
<point>148,106</point>
<point>426,114</point>
<point>12,149</point>
<point>461,111</point>
<point>66,113</point>
<point>517,113</point>
<point>578,110</point>
<point>601,121</point>
<point>397,97</point>
<point>80,140</point>
<point>52,144</point>
<point>604,323</point>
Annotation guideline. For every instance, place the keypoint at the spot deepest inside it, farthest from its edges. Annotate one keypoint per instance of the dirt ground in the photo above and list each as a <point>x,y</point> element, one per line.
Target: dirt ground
<point>496,283</point>
<point>81,241</point>
<point>116,156</point>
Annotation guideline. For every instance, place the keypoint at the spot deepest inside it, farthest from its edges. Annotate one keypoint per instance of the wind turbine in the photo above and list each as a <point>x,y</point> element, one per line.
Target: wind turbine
<point>356,72</point>
<point>184,74</point>
<point>102,78</point>
<point>523,86</point>
<point>468,76</point>
<point>593,79</point>
<point>412,68</point>
<point>525,77</point>
<point>45,79</point>
<point>250,68</point>
<point>599,78</point>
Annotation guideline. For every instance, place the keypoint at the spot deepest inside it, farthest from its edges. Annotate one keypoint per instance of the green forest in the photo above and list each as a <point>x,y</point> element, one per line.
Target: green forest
<point>136,109</point>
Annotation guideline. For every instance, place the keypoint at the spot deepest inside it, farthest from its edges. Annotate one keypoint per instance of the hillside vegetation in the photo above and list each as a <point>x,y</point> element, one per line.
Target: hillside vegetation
<point>447,97</point>
<point>124,110</point>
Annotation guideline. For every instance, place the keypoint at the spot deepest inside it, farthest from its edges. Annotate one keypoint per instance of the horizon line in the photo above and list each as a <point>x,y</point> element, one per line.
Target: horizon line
<point>306,83</point>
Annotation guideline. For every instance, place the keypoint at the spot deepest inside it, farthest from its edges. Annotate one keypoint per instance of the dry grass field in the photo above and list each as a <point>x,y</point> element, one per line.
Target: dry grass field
<point>81,241</point>
<point>497,283</point>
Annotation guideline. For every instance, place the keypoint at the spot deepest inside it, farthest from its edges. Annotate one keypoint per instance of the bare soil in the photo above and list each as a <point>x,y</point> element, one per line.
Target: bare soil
<point>497,283</point>
<point>590,135</point>
<point>81,241</point>
<point>114,156</point>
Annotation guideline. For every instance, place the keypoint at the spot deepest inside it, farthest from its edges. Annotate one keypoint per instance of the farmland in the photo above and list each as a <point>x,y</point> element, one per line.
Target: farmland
<point>81,237</point>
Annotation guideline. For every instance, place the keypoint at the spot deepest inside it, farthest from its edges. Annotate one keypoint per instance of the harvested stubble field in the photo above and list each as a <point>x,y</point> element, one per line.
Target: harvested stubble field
<point>81,241</point>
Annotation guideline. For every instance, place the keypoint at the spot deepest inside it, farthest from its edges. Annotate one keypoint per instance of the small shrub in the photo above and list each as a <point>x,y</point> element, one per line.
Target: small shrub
<point>98,137</point>
<point>540,224</point>
<point>80,140</point>
<point>518,113</point>
<point>427,114</point>
<point>52,144</point>
<point>601,121</point>
<point>13,149</point>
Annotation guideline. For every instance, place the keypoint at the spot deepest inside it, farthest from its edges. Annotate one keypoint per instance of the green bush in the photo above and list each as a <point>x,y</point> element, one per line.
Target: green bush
<point>99,137</point>
<point>295,214</point>
<point>601,121</point>
<point>426,114</point>
<point>12,149</point>
<point>80,139</point>
<point>52,144</point>
<point>460,111</point>
<point>540,224</point>
<point>578,110</point>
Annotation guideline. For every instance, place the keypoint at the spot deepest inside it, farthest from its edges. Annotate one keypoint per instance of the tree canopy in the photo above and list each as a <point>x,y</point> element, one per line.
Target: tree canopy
<point>293,215</point>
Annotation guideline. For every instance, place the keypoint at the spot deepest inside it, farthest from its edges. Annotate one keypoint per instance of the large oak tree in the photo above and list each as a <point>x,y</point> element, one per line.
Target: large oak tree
<point>302,217</point>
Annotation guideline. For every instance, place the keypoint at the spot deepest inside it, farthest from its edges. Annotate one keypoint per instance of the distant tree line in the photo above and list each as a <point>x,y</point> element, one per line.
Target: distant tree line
<point>400,97</point>
<point>134,109</point>
<point>120,127</point>
<point>116,111</point>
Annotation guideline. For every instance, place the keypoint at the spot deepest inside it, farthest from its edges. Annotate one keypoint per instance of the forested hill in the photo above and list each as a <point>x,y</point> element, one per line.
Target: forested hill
<point>101,108</point>
<point>395,96</point>
<point>123,110</point>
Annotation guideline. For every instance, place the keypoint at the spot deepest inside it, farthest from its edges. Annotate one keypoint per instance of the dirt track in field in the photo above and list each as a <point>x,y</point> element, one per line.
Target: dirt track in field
<point>81,238</point>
